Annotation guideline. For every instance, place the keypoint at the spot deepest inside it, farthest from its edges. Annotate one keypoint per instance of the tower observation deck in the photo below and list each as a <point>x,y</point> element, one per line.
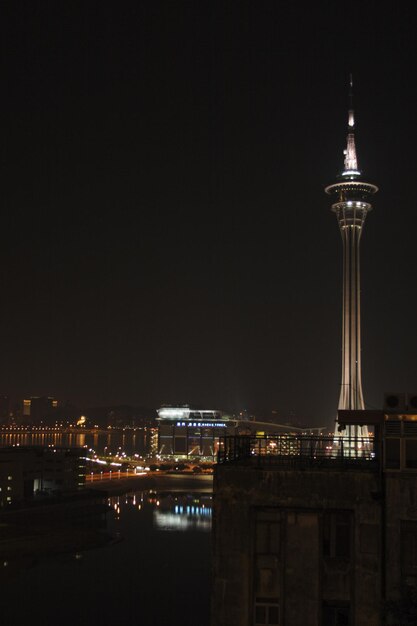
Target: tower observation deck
<point>351,195</point>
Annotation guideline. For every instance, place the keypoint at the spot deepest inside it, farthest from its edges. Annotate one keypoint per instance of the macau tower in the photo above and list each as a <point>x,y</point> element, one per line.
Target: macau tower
<point>351,194</point>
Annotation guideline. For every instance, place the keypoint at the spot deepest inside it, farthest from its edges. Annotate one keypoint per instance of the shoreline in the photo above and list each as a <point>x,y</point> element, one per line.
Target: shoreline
<point>158,482</point>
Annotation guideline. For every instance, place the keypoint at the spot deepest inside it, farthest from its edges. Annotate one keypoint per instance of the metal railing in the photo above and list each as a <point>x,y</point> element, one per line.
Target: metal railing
<point>298,450</point>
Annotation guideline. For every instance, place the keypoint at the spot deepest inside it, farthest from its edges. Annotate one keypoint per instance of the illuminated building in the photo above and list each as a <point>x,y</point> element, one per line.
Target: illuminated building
<point>154,437</point>
<point>184,432</point>
<point>351,194</point>
<point>39,408</point>
<point>304,536</point>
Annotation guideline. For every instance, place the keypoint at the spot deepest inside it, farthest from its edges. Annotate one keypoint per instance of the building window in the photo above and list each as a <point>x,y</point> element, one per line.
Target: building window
<point>411,453</point>
<point>266,612</point>
<point>336,615</point>
<point>337,535</point>
<point>266,580</point>
<point>409,552</point>
<point>369,535</point>
<point>392,453</point>
<point>267,533</point>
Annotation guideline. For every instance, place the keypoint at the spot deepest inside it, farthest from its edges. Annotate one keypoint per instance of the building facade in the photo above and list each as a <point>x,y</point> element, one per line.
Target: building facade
<point>39,408</point>
<point>306,538</point>
<point>184,432</point>
<point>29,471</point>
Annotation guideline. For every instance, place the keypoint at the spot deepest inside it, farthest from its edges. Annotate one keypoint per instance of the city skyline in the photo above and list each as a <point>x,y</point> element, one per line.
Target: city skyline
<point>165,232</point>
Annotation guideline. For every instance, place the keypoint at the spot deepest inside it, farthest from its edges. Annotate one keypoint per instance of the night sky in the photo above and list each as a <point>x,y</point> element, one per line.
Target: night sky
<point>165,236</point>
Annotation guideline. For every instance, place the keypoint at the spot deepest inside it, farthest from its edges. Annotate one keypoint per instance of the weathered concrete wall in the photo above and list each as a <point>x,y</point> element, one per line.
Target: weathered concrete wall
<point>302,566</point>
<point>401,506</point>
<point>307,579</point>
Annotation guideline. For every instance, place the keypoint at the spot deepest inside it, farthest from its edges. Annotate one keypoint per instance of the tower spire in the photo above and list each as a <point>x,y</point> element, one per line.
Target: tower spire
<point>351,160</point>
<point>351,121</point>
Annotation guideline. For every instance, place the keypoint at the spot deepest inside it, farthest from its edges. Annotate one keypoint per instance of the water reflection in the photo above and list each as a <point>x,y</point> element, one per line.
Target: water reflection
<point>179,511</point>
<point>125,580</point>
<point>130,441</point>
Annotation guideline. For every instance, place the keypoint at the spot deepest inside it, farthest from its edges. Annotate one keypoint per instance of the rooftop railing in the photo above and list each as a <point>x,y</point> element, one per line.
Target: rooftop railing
<point>298,451</point>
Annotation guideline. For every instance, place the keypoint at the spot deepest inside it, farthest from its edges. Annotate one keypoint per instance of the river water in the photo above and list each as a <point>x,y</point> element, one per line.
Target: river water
<point>154,572</point>
<point>131,441</point>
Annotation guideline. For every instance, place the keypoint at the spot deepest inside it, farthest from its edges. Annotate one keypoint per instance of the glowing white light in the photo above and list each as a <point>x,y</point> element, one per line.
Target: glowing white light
<point>173,413</point>
<point>183,413</point>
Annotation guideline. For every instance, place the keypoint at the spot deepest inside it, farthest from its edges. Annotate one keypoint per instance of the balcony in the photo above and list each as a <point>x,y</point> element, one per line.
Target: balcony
<point>299,452</point>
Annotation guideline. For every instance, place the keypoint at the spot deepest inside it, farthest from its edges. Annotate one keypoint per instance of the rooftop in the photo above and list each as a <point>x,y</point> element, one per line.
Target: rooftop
<point>299,451</point>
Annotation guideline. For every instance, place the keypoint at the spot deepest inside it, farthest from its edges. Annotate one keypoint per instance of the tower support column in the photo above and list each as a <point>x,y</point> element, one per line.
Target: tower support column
<point>351,395</point>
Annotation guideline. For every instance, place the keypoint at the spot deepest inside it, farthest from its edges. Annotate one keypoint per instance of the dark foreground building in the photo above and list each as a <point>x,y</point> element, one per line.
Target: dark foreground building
<point>30,471</point>
<point>310,533</point>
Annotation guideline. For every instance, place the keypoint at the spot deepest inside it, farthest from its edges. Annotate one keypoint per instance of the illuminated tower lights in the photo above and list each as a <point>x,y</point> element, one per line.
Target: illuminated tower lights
<point>351,194</point>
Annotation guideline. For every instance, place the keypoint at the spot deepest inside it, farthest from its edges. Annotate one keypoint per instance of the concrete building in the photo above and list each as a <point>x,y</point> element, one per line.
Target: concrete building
<point>28,472</point>
<point>304,537</point>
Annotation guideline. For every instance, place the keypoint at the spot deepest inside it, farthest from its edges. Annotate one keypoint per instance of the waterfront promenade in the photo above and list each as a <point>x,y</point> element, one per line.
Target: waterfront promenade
<point>151,480</point>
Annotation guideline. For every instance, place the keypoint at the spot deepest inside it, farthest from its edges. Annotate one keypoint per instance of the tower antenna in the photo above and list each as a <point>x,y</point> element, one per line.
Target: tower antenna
<point>351,115</point>
<point>350,91</point>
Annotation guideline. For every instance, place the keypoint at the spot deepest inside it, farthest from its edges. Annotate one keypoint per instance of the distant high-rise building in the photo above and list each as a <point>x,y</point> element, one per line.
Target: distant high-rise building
<point>4,407</point>
<point>351,193</point>
<point>39,408</point>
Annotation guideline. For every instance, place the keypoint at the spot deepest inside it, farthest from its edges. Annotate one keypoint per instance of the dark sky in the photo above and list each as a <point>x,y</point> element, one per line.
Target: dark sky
<point>165,236</point>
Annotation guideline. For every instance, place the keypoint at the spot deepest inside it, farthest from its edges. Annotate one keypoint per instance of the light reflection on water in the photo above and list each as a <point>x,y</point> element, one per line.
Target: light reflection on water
<point>155,572</point>
<point>170,511</point>
<point>130,441</point>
